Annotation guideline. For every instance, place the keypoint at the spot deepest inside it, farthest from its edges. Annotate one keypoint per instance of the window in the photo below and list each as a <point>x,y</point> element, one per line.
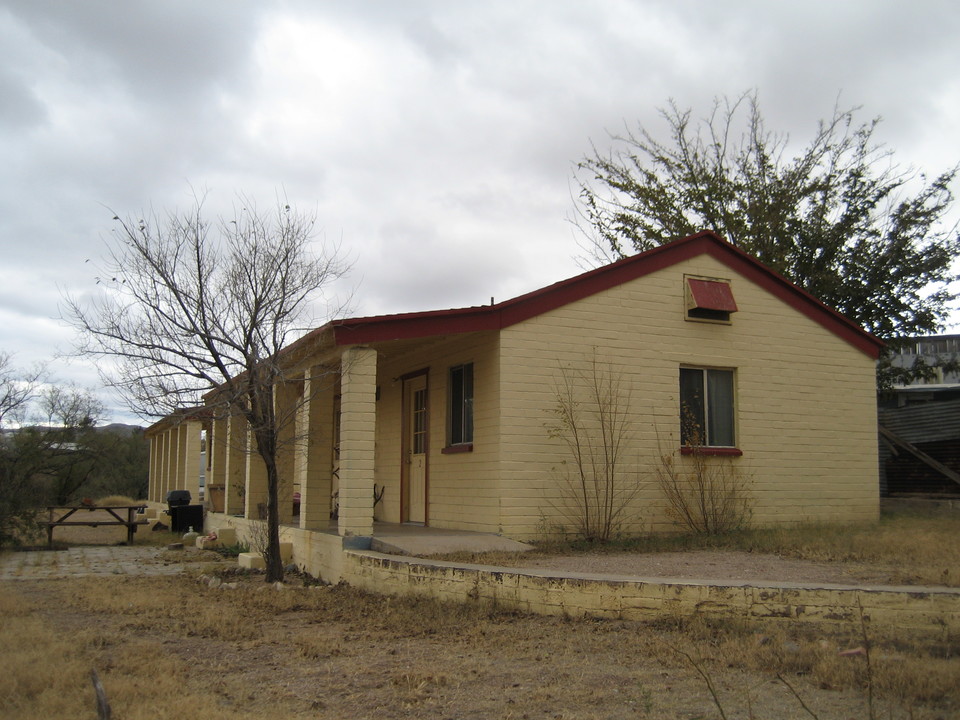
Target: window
<point>706,408</point>
<point>460,413</point>
<point>709,299</point>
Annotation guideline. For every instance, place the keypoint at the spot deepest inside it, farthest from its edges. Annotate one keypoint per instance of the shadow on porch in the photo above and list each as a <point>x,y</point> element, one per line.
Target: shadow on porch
<point>421,541</point>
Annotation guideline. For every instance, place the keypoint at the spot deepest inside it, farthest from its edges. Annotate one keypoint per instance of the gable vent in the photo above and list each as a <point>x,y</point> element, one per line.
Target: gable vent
<point>709,299</point>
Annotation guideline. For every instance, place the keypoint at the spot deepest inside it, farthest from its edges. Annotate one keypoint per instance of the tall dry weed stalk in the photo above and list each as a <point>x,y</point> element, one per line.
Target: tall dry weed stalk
<point>592,419</point>
<point>705,494</point>
<point>259,533</point>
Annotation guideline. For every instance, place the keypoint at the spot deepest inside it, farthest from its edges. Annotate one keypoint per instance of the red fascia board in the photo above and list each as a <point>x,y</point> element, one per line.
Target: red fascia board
<point>384,328</point>
<point>712,295</point>
<point>509,312</point>
<point>196,413</point>
<point>494,317</point>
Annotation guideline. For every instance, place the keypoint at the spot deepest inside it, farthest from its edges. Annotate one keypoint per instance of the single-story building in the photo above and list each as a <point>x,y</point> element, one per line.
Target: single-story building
<point>450,418</point>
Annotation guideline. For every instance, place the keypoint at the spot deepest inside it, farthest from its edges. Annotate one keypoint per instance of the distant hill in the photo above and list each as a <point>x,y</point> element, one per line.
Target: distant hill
<point>121,429</point>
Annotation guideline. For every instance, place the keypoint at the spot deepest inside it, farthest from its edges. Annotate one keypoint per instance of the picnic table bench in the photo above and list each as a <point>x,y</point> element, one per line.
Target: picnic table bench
<point>60,517</point>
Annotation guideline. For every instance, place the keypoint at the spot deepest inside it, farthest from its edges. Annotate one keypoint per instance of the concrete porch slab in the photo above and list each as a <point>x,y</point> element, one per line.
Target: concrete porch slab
<point>420,541</point>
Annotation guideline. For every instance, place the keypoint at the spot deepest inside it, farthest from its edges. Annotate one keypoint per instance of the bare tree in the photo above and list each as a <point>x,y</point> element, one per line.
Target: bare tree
<point>194,308</point>
<point>17,389</point>
<point>65,440</point>
<point>17,497</point>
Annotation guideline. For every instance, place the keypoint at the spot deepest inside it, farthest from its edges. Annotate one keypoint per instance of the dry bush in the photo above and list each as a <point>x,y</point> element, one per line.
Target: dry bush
<point>705,494</point>
<point>902,673</point>
<point>592,419</point>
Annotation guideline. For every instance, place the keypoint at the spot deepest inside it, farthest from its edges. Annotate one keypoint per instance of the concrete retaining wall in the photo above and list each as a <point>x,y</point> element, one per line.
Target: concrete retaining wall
<point>347,559</point>
<point>576,595</point>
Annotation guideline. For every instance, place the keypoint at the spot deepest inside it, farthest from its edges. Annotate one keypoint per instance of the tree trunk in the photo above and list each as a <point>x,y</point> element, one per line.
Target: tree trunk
<point>273,560</point>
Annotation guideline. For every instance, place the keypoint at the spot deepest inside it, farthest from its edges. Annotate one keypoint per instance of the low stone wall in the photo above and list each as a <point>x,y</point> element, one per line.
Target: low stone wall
<point>576,595</point>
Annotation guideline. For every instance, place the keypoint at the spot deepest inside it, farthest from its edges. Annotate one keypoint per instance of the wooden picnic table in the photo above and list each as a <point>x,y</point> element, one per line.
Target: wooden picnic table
<point>60,517</point>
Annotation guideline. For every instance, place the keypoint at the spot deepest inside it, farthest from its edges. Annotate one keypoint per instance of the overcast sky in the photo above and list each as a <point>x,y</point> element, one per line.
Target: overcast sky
<point>435,140</point>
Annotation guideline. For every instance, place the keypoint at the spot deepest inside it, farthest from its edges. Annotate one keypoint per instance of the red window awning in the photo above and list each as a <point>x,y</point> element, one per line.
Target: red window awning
<point>711,295</point>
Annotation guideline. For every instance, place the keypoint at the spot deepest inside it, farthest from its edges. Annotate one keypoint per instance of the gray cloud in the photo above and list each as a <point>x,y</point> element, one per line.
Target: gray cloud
<point>435,140</point>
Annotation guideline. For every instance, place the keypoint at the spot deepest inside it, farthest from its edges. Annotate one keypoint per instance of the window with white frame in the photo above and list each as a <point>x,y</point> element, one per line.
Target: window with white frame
<point>460,410</point>
<point>707,407</point>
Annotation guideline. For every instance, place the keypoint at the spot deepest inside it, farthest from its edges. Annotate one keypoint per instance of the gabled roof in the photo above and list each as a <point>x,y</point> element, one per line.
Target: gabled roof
<point>382,328</point>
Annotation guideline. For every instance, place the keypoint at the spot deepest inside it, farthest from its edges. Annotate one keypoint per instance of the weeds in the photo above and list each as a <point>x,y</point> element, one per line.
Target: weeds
<point>231,551</point>
<point>592,419</point>
<point>332,652</point>
<point>705,495</point>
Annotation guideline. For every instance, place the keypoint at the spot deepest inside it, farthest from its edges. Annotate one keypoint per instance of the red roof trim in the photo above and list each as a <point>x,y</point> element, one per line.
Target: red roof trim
<point>712,295</point>
<point>494,317</point>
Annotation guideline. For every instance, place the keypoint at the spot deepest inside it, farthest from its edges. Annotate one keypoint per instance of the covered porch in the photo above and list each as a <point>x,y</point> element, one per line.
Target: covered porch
<point>319,551</point>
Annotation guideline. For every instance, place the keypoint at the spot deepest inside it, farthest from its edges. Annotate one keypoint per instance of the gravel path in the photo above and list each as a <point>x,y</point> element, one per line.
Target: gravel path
<point>86,561</point>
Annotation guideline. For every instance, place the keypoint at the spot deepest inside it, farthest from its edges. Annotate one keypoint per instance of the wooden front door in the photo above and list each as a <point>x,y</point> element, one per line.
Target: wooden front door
<point>415,448</point>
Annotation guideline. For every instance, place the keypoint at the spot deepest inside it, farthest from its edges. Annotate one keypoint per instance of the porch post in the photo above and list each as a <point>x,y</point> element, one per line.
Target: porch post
<point>358,430</point>
<point>286,398</point>
<point>170,477</point>
<point>216,463</point>
<point>255,496</point>
<point>234,464</point>
<point>179,438</point>
<point>312,462</point>
<point>190,433</point>
<point>162,466</point>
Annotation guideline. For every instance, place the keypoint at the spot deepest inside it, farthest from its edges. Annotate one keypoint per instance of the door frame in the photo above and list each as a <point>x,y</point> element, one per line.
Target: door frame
<point>405,437</point>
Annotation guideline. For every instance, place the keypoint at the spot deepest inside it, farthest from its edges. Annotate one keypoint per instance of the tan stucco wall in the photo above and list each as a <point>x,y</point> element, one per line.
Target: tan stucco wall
<point>806,407</point>
<point>463,488</point>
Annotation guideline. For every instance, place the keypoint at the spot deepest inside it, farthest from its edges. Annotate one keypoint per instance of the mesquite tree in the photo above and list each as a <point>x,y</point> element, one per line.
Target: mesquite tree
<point>198,312</point>
<point>837,218</point>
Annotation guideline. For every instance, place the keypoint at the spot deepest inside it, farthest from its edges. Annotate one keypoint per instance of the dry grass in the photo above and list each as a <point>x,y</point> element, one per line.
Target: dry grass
<point>911,549</point>
<point>175,647</point>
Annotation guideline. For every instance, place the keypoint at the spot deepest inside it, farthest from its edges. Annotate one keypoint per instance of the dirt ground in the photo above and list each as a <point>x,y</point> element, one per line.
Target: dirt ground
<point>717,565</point>
<point>331,652</point>
<point>217,644</point>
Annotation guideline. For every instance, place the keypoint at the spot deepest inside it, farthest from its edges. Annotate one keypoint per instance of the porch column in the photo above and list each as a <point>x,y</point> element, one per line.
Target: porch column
<point>358,430</point>
<point>190,458</point>
<point>162,466</point>
<point>234,464</point>
<point>159,467</point>
<point>312,464</point>
<point>286,398</point>
<point>216,464</point>
<point>169,461</point>
<point>177,441</point>
<point>255,491</point>
<point>152,470</point>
